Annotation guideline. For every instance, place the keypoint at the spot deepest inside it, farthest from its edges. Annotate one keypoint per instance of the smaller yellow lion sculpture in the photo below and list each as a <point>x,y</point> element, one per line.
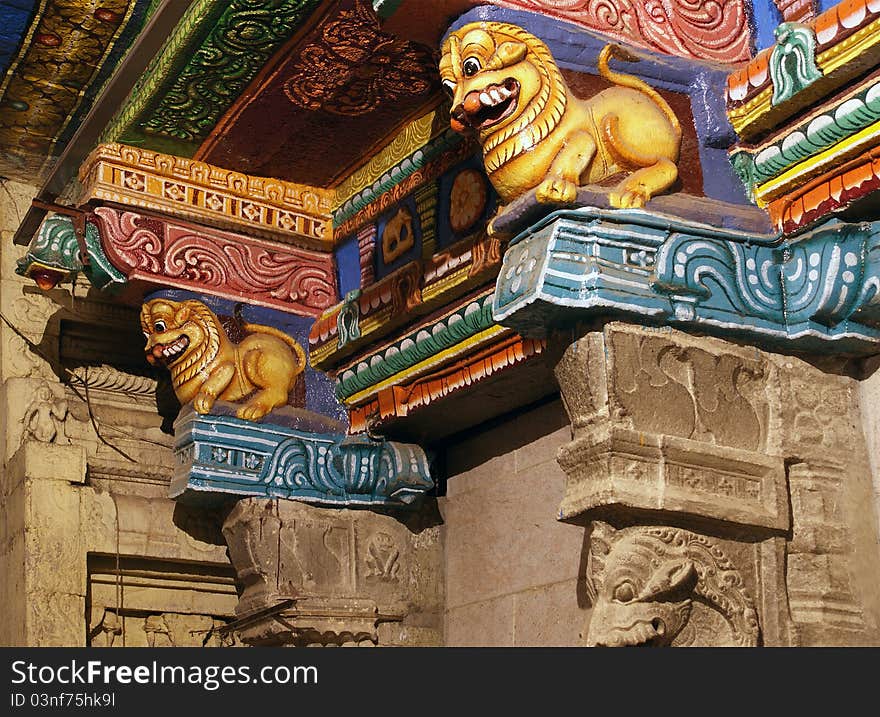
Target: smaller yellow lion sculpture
<point>188,339</point>
<point>505,85</point>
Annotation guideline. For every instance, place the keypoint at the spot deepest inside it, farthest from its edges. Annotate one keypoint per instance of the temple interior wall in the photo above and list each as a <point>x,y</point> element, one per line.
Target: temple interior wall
<point>869,392</point>
<point>92,551</point>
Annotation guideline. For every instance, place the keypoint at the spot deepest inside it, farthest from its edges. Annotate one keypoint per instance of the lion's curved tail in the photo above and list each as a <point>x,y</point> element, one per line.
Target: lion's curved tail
<point>277,333</point>
<point>611,50</point>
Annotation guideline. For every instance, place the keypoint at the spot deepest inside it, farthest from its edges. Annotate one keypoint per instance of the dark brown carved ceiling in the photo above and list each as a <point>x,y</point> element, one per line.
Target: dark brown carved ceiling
<point>327,100</point>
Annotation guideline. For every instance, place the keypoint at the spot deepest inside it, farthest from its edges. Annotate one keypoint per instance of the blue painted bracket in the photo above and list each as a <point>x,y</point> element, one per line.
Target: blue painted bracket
<point>815,292</point>
<point>220,456</point>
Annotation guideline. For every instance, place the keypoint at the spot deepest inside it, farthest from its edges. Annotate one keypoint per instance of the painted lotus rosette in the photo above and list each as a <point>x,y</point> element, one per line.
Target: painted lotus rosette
<point>818,293</point>
<point>223,456</point>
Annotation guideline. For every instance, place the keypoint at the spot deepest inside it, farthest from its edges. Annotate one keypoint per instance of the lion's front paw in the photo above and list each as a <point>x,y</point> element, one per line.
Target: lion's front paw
<point>629,197</point>
<point>253,411</point>
<point>204,402</point>
<point>556,190</point>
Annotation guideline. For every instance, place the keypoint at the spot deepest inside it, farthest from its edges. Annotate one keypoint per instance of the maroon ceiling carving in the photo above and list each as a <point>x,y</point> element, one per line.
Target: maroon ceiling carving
<point>355,67</point>
<point>326,101</point>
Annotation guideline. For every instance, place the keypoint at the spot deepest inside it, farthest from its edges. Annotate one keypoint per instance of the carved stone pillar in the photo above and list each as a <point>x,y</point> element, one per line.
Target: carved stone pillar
<point>728,492</point>
<point>318,576</point>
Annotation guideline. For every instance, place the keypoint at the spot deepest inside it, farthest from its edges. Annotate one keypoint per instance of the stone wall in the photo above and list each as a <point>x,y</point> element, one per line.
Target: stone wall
<point>91,549</point>
<point>732,486</point>
<point>514,574</point>
<point>869,394</point>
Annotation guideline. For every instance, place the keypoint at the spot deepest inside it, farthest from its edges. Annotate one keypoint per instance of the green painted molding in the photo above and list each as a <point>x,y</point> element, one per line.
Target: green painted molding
<point>426,341</point>
<point>207,62</point>
<point>190,31</point>
<point>849,116</point>
<point>245,36</point>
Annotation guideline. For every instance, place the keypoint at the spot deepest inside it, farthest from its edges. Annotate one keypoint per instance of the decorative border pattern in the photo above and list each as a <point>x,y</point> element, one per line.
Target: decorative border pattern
<point>226,455</point>
<point>195,190</point>
<point>704,29</point>
<point>818,293</point>
<point>231,266</point>
<point>445,143</point>
<point>430,171</point>
<point>404,399</point>
<point>828,193</point>
<point>844,33</point>
<point>411,291</point>
<point>411,138</point>
<point>850,114</point>
<point>425,342</point>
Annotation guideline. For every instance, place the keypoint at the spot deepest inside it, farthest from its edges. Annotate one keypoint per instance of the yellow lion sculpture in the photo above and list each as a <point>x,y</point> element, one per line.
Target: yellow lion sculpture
<point>205,365</point>
<point>537,135</point>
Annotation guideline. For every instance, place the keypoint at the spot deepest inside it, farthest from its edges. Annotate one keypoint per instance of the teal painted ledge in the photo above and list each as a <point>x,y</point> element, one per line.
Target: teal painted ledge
<point>816,292</point>
<point>220,457</point>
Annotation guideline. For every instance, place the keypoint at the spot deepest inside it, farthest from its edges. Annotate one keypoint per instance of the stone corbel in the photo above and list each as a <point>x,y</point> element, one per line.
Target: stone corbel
<point>670,448</point>
<point>313,576</point>
<point>663,424</point>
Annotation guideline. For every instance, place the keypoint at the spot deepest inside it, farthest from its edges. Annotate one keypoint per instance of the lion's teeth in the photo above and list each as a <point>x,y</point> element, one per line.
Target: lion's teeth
<point>504,92</point>
<point>485,99</point>
<point>496,98</point>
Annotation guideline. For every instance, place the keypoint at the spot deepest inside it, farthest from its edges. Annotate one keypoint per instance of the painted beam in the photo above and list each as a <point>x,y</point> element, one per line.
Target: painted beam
<point>220,456</point>
<point>165,253</point>
<point>818,293</point>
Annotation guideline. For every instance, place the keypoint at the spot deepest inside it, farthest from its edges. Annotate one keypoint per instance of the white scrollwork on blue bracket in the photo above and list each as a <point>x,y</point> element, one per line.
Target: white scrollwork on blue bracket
<point>229,456</point>
<point>818,291</point>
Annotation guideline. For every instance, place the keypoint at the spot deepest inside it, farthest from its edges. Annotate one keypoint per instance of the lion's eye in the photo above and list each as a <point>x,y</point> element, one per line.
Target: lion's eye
<point>471,66</point>
<point>624,592</point>
<point>449,86</point>
<point>159,326</point>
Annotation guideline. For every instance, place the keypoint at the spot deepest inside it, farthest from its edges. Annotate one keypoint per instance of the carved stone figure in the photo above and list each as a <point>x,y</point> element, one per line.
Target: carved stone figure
<point>536,135</point>
<point>205,365</point>
<point>665,586</point>
<point>45,416</point>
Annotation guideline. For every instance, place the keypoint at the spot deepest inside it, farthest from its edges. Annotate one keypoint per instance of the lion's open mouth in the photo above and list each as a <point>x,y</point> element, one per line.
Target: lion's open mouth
<point>169,353</point>
<point>640,634</point>
<point>483,108</point>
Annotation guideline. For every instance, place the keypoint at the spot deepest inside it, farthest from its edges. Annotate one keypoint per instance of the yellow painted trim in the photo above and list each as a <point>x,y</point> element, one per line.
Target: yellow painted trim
<point>847,50</point>
<point>410,139</point>
<point>828,61</point>
<point>483,336</point>
<point>453,279</point>
<point>744,115</point>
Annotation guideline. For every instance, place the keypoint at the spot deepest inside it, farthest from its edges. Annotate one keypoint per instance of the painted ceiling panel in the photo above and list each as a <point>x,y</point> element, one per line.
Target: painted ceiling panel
<point>328,101</point>
<point>213,55</point>
<point>57,55</point>
<point>15,18</point>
